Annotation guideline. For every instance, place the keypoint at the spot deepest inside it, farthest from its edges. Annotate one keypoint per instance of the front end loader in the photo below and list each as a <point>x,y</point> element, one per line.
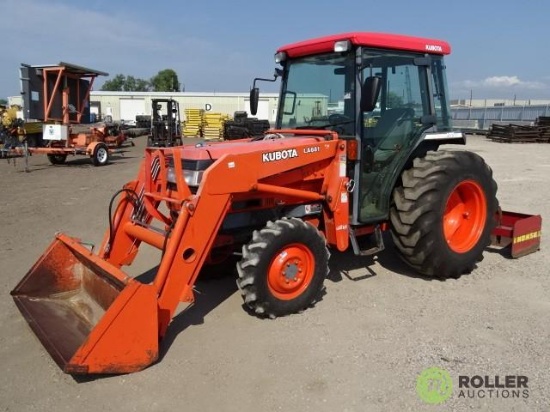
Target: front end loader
<point>92,318</point>
<point>355,152</point>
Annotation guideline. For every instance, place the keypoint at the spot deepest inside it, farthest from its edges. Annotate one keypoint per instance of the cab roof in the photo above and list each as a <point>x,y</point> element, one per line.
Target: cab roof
<point>378,40</point>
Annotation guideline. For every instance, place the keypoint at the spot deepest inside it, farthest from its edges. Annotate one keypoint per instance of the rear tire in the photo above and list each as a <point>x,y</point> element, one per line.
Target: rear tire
<point>283,268</point>
<point>443,215</point>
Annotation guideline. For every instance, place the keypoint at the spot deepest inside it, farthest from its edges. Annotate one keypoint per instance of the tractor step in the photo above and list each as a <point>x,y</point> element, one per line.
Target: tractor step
<point>372,250</point>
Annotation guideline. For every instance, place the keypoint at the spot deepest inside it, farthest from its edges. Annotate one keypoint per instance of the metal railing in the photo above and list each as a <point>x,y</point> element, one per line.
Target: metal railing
<point>483,117</point>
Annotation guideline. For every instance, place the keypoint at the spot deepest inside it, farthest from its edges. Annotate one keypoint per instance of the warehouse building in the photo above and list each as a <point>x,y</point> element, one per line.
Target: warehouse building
<point>125,106</point>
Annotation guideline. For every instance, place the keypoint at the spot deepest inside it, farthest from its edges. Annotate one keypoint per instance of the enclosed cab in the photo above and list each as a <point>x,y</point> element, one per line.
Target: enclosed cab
<point>386,94</point>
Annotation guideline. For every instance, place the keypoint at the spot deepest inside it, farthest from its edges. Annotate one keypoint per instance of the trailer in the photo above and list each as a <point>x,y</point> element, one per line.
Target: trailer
<point>59,96</point>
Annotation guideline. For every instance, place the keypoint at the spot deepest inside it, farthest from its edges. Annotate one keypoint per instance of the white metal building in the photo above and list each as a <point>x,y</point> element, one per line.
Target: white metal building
<point>127,105</point>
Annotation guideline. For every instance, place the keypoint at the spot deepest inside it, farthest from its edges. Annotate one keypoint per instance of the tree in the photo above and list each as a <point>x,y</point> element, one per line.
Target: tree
<point>130,84</point>
<point>166,81</point>
<point>142,85</point>
<point>135,85</point>
<point>115,84</point>
<point>3,102</point>
<point>124,83</point>
<point>394,100</point>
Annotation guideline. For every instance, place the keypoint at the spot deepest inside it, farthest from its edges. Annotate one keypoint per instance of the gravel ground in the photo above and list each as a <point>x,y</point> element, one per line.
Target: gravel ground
<point>360,348</point>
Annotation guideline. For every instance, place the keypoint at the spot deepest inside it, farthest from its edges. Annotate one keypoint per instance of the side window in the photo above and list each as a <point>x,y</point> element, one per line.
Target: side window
<point>403,88</point>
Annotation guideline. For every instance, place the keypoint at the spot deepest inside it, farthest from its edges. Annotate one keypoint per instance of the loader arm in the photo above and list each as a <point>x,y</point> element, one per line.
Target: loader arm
<point>192,233</point>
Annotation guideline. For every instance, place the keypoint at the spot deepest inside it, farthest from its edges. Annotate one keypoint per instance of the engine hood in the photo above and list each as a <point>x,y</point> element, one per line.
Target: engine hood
<point>209,152</point>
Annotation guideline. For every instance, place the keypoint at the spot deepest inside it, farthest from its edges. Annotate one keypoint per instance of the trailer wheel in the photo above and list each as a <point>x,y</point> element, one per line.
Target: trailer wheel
<point>100,156</point>
<point>57,159</point>
<point>443,215</point>
<point>283,268</point>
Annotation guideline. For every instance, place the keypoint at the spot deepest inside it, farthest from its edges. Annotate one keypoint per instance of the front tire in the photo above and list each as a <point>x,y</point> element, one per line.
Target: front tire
<point>443,214</point>
<point>283,268</point>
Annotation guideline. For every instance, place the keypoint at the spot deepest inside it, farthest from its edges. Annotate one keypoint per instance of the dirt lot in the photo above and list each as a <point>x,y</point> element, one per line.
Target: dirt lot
<point>360,349</point>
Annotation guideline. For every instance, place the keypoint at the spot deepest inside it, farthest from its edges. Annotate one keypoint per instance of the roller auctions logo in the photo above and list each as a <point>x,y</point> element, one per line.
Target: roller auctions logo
<point>434,386</point>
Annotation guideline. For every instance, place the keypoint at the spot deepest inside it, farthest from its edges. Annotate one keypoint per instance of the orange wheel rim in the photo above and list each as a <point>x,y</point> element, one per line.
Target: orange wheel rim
<point>291,272</point>
<point>465,216</point>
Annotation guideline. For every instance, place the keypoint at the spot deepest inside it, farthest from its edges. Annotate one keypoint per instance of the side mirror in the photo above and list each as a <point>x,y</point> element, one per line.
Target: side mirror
<point>370,92</point>
<point>254,97</point>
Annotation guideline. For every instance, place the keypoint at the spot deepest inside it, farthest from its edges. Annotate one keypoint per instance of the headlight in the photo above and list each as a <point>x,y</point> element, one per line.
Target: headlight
<point>191,177</point>
<point>170,175</point>
<point>342,46</point>
<point>280,57</point>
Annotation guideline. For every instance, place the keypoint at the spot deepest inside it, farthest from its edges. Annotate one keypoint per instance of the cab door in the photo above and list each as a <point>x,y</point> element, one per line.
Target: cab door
<point>389,132</point>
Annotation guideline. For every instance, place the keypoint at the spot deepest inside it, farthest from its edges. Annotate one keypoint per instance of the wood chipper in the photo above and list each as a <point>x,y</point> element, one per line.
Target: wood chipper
<point>355,152</point>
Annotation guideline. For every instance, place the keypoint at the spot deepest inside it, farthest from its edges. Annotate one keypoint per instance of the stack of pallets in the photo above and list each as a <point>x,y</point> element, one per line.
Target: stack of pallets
<point>243,126</point>
<point>514,133</point>
<point>214,125</point>
<point>194,122</point>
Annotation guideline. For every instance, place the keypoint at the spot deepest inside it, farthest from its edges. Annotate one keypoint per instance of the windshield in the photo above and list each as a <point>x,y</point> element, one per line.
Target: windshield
<point>319,92</point>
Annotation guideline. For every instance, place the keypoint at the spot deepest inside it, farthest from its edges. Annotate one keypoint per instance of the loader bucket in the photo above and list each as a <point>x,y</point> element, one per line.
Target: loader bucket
<point>87,313</point>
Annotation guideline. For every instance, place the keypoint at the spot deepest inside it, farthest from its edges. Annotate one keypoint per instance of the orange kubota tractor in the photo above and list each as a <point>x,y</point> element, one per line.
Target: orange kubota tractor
<point>356,151</point>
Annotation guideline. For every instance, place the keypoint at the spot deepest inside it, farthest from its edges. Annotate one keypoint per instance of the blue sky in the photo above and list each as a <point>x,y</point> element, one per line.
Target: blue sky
<point>500,48</point>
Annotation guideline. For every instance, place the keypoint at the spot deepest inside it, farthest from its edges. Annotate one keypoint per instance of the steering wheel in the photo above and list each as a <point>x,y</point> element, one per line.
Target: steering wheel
<point>272,136</point>
<point>336,119</point>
